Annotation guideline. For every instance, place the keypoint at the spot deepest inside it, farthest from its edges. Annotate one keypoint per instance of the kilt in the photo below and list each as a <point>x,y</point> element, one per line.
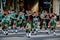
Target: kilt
<point>5,25</point>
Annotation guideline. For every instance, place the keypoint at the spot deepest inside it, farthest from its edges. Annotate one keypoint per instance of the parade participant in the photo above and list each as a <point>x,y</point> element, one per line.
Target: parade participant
<point>47,20</point>
<point>19,20</point>
<point>30,16</point>
<point>35,23</point>
<point>28,29</point>
<point>41,20</point>
<point>53,23</point>
<point>17,16</point>
<point>50,16</point>
<point>1,17</point>
<point>13,20</point>
<point>23,19</point>
<point>5,23</point>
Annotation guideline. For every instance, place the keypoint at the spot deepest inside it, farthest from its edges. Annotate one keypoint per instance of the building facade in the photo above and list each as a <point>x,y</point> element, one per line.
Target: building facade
<point>34,5</point>
<point>56,6</point>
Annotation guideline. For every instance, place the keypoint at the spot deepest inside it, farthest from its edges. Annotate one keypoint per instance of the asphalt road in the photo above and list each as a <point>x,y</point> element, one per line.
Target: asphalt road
<point>21,36</point>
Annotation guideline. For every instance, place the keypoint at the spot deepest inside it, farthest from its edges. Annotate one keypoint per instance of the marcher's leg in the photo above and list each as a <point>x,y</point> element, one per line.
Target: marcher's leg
<point>54,29</point>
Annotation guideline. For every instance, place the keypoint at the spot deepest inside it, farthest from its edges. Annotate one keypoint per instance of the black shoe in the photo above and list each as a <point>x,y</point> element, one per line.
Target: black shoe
<point>6,33</point>
<point>28,36</point>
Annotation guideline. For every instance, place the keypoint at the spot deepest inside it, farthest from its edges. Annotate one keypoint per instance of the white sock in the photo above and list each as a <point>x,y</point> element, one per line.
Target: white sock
<point>27,34</point>
<point>12,30</point>
<point>15,30</point>
<point>35,32</point>
<point>54,33</point>
<point>4,32</point>
<point>49,31</point>
<point>9,27</point>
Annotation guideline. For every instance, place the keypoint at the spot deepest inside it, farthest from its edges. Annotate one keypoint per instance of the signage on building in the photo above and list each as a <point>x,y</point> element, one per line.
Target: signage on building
<point>46,2</point>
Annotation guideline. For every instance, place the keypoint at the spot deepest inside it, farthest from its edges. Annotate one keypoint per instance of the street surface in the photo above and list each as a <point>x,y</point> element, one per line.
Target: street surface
<point>21,35</point>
